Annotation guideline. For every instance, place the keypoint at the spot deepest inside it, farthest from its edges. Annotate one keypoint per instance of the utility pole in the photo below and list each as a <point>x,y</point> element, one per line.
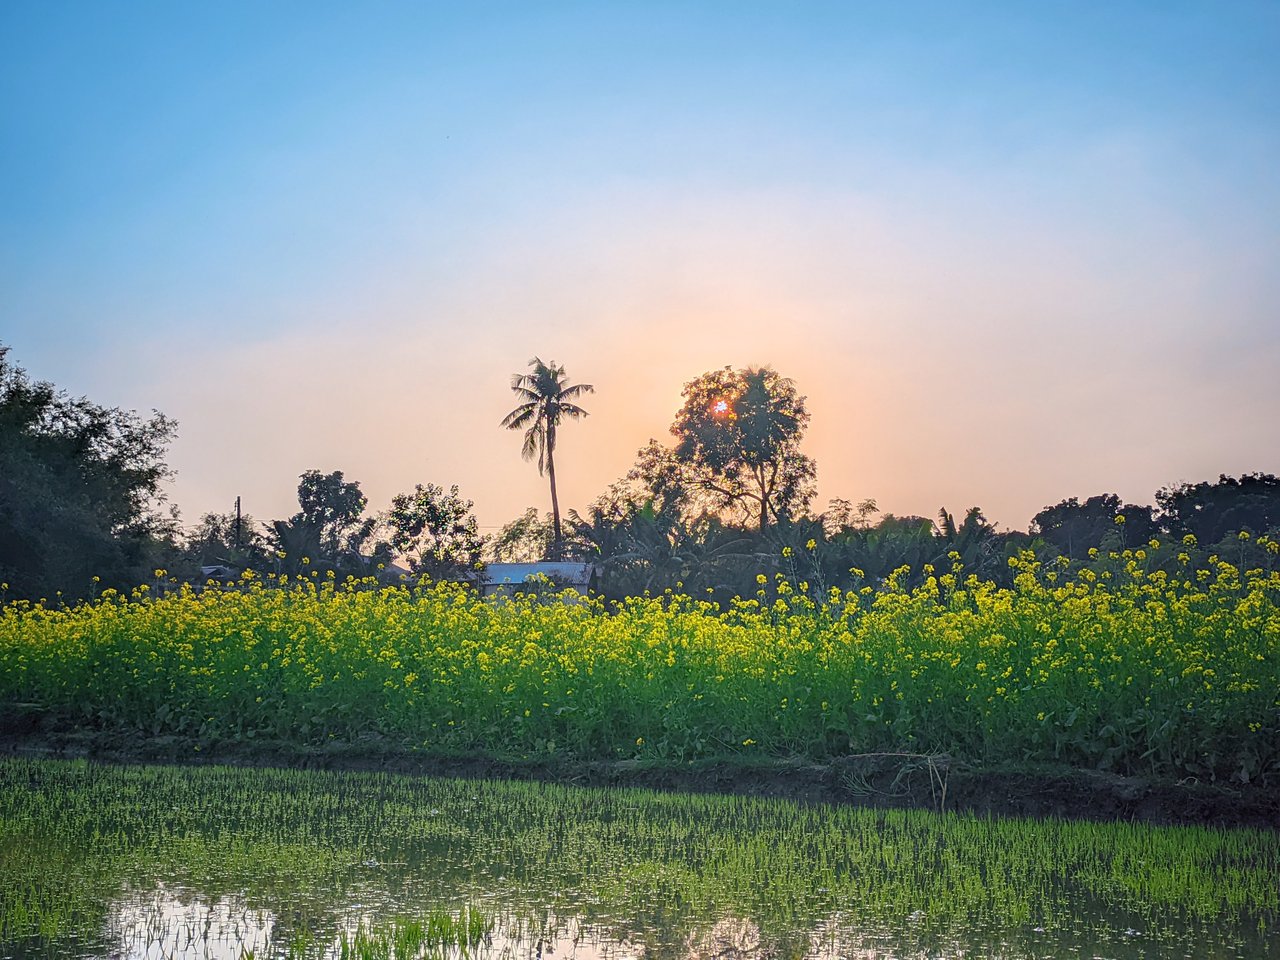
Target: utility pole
<point>237,524</point>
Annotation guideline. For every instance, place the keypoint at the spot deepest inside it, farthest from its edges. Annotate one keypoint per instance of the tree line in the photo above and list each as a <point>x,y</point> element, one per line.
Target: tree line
<point>727,502</point>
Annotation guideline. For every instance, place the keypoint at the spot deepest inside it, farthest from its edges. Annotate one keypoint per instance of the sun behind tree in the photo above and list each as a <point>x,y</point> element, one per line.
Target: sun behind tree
<point>546,397</point>
<point>739,434</point>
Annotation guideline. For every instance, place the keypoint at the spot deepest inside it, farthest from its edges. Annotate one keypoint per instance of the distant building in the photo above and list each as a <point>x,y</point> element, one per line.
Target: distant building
<point>394,571</point>
<point>219,571</point>
<point>507,579</point>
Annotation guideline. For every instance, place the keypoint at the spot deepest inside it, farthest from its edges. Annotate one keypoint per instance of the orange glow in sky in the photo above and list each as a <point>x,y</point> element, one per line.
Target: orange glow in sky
<point>1010,254</point>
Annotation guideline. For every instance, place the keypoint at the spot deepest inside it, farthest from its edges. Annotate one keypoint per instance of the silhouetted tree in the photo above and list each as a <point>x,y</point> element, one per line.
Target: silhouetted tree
<point>644,533</point>
<point>330,530</point>
<point>216,541</point>
<point>739,435</point>
<point>974,539</point>
<point>526,539</point>
<point>1073,527</point>
<point>546,398</point>
<point>80,490</point>
<point>842,515</point>
<point>1210,511</point>
<point>435,531</point>
<point>892,543</point>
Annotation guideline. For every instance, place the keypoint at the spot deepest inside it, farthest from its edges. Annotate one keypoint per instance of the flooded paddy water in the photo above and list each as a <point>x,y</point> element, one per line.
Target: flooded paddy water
<point>165,862</point>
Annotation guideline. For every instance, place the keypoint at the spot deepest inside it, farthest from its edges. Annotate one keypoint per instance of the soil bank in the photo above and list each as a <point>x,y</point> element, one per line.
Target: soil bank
<point>884,780</point>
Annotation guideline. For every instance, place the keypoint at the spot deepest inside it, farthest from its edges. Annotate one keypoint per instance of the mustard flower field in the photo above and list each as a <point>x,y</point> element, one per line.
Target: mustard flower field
<point>1151,673</point>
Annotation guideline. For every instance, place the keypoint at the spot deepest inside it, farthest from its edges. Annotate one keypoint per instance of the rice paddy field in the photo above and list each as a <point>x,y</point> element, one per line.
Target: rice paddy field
<point>151,862</point>
<point>1139,673</point>
<point>1174,676</point>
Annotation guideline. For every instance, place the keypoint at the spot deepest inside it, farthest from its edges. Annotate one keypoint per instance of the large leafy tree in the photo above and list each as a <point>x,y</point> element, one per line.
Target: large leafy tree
<point>739,433</point>
<point>525,539</point>
<point>546,398</point>
<point>435,531</point>
<point>330,529</point>
<point>1072,527</point>
<point>80,490</point>
<point>1210,511</point>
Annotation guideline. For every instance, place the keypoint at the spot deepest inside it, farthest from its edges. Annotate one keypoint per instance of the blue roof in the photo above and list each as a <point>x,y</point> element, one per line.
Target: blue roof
<point>571,572</point>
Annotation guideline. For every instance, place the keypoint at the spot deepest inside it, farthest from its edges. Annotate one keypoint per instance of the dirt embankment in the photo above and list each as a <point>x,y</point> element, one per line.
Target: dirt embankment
<point>885,780</point>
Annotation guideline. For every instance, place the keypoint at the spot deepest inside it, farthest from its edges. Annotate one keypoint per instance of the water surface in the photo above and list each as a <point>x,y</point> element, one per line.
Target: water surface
<point>155,862</point>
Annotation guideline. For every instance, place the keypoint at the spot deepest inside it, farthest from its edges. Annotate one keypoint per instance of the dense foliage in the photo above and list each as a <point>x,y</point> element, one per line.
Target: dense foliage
<point>435,531</point>
<point>738,444</point>
<point>80,488</point>
<point>1123,669</point>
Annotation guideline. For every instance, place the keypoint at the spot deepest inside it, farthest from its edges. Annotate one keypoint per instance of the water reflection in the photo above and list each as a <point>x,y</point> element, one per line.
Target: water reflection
<point>166,924</point>
<point>102,862</point>
<point>177,924</point>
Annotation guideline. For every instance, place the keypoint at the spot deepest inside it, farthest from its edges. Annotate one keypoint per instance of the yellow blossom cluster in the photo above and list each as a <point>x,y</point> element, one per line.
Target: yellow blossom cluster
<point>1166,675</point>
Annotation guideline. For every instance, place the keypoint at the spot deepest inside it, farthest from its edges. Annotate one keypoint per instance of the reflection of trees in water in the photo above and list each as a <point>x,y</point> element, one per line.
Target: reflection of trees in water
<point>600,873</point>
<point>165,923</point>
<point>730,938</point>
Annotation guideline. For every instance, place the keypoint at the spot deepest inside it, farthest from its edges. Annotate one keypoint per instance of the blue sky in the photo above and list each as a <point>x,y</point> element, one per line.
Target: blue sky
<point>1011,252</point>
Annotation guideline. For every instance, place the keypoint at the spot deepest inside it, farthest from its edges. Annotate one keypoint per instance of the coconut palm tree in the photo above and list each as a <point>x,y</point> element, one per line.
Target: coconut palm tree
<point>545,396</point>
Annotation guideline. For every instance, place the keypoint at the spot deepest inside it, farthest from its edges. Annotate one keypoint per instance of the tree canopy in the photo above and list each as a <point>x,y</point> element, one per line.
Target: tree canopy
<point>329,530</point>
<point>1210,511</point>
<point>80,490</point>
<point>526,539</point>
<point>739,434</point>
<point>221,538</point>
<point>435,531</point>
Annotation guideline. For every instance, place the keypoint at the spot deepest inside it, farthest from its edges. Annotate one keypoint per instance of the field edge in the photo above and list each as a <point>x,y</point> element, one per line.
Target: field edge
<point>881,780</point>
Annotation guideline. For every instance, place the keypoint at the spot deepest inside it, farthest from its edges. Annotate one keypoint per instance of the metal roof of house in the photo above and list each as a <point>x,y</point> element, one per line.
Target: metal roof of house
<point>566,572</point>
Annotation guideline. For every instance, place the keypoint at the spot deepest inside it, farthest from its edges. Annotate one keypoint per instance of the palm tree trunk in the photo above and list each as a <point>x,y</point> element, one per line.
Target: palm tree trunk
<point>557,544</point>
<point>764,499</point>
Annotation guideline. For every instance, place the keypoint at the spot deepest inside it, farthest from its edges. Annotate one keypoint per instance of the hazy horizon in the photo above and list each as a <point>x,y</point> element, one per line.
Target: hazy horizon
<point>1010,256</point>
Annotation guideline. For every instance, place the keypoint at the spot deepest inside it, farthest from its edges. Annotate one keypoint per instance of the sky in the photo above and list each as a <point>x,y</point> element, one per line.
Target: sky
<point>1010,252</point>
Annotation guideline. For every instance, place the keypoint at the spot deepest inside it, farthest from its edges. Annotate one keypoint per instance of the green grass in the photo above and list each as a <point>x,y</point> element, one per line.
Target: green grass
<point>479,865</point>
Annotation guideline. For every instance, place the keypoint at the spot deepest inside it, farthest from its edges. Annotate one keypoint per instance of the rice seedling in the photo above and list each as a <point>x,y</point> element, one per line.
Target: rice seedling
<point>297,863</point>
<point>437,934</point>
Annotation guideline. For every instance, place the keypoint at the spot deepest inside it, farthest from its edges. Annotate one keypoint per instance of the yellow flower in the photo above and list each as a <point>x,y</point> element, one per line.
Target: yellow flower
<point>811,545</point>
